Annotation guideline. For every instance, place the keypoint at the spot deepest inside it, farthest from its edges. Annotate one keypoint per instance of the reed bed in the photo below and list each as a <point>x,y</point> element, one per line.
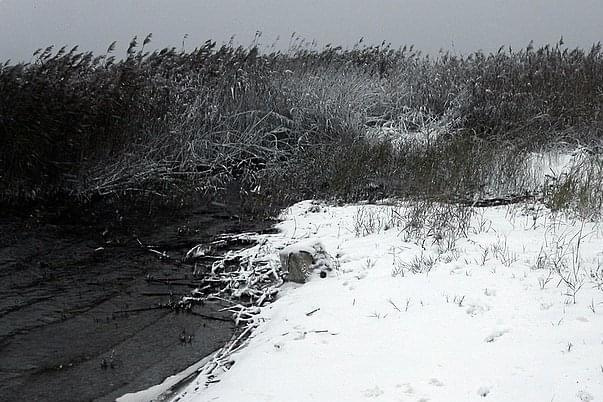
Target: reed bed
<point>364,122</point>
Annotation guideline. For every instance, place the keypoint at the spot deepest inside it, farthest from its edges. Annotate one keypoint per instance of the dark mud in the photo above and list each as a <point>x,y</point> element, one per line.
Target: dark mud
<point>78,316</point>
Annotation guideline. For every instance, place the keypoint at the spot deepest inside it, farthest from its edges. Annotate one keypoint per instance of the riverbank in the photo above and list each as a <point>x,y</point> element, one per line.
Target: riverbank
<point>428,301</point>
<point>80,317</point>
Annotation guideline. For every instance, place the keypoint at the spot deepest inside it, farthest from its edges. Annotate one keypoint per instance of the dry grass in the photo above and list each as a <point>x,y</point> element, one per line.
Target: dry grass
<point>349,124</point>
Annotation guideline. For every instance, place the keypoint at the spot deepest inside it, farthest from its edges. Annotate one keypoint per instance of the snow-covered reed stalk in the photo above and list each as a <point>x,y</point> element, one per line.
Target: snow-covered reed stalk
<point>561,258</point>
<point>371,219</point>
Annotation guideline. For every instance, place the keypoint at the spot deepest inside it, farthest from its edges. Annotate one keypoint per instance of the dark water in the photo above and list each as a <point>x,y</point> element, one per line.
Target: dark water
<point>78,323</point>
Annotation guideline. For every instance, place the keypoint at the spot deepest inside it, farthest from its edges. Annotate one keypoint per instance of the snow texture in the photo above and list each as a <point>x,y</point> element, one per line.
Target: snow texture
<point>511,312</point>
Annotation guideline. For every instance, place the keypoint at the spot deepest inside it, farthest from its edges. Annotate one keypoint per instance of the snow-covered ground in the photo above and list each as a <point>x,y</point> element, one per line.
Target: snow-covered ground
<point>451,304</point>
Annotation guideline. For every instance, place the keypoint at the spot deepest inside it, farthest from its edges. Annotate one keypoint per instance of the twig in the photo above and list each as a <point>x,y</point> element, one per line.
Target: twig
<point>210,317</point>
<point>396,307</point>
<point>162,294</point>
<point>136,310</point>
<point>312,312</point>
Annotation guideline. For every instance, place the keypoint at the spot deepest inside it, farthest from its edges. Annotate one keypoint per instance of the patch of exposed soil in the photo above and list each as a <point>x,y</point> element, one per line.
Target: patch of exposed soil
<point>79,319</point>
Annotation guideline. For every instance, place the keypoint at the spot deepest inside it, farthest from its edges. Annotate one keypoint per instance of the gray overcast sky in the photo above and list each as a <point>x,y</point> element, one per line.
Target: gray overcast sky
<point>459,25</point>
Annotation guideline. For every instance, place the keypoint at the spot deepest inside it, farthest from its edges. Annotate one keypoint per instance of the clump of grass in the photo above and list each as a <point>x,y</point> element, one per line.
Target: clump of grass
<point>419,264</point>
<point>563,260</point>
<point>369,220</point>
<point>440,223</point>
<point>502,252</point>
<point>578,189</point>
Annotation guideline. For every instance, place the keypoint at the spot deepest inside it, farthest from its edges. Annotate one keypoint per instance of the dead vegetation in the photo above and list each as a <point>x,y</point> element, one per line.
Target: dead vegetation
<point>337,123</point>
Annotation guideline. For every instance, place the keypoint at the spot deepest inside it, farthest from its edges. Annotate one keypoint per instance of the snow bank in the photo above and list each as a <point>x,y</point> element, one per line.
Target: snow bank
<point>510,313</point>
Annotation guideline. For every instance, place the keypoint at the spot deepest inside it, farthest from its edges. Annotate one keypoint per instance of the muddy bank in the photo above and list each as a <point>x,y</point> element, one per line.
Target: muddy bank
<point>78,314</point>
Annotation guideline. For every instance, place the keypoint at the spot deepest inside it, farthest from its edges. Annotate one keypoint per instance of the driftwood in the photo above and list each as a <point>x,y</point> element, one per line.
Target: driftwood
<point>499,201</point>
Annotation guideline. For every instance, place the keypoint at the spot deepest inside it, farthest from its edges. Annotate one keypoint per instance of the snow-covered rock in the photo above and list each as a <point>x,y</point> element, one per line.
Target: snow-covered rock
<point>300,259</point>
